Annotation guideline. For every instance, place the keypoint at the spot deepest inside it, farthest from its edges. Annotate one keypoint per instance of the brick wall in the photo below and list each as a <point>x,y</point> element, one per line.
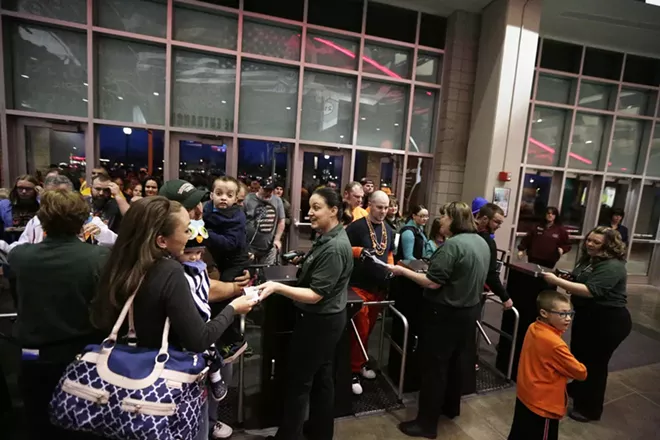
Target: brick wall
<point>458,78</point>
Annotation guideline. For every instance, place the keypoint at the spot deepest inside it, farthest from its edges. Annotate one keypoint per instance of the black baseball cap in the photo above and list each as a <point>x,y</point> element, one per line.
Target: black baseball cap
<point>269,185</point>
<point>183,192</point>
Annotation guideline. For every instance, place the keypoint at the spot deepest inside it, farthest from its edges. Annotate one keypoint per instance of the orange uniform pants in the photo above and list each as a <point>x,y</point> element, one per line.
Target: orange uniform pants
<point>365,320</point>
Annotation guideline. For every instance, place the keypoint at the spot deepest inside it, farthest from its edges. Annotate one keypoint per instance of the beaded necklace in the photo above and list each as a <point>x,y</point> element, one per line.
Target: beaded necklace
<point>379,248</point>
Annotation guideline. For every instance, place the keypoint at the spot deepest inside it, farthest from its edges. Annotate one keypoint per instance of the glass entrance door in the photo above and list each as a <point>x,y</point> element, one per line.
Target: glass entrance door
<point>200,159</point>
<point>314,168</point>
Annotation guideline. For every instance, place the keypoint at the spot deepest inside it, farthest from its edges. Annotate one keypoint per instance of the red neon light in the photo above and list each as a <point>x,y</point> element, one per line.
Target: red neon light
<point>348,53</point>
<point>552,150</point>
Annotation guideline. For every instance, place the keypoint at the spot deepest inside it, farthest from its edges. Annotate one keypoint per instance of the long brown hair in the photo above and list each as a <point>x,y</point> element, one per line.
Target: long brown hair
<point>133,254</point>
<point>13,195</point>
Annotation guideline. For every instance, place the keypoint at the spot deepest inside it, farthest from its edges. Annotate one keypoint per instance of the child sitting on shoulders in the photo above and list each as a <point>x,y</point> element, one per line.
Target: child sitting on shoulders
<point>545,366</point>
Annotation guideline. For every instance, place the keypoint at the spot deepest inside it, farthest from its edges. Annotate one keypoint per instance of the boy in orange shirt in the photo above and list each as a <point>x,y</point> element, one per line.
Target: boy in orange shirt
<point>545,366</point>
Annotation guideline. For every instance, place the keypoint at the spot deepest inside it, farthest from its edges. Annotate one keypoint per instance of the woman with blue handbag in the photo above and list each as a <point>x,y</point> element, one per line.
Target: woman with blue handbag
<point>155,389</point>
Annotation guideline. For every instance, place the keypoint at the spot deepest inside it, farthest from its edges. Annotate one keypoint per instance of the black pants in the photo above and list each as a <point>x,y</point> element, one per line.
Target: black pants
<point>447,335</point>
<point>545,263</point>
<point>531,426</point>
<point>37,382</point>
<point>310,378</point>
<point>597,332</point>
<point>232,334</point>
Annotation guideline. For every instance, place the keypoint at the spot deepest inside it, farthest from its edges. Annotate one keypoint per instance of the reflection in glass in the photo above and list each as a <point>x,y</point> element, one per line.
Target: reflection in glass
<point>203,91</point>
<point>614,196</point>
<point>637,102</point>
<point>131,81</point>
<point>423,118</point>
<point>131,152</point>
<point>327,108</point>
<point>49,70</point>
<point>568,260</point>
<point>45,147</point>
<point>639,261</point>
<point>200,163</point>
<point>557,55</point>
<point>382,118</point>
<point>272,41</point>
<point>626,144</point>
<point>416,184</point>
<point>319,170</point>
<point>383,169</point>
<point>205,28</point>
<point>534,200</point>
<point>597,95</point>
<point>268,100</point>
<point>555,89</point>
<point>331,51</point>
<point>588,141</point>
<point>262,160</point>
<point>429,68</point>
<point>574,204</point>
<point>68,10</point>
<point>547,138</point>
<point>383,60</point>
<point>653,167</point>
<point>648,216</point>
<point>138,16</point>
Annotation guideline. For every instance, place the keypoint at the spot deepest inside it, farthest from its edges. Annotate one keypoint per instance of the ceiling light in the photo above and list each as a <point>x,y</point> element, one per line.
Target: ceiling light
<point>85,84</point>
<point>378,129</point>
<point>84,99</point>
<point>288,108</point>
<point>341,136</point>
<point>326,156</point>
<point>156,93</point>
<point>364,119</point>
<point>120,98</point>
<point>128,130</point>
<point>224,102</point>
<point>25,76</point>
<point>588,142</point>
<point>396,124</point>
<point>539,120</point>
<point>531,180</point>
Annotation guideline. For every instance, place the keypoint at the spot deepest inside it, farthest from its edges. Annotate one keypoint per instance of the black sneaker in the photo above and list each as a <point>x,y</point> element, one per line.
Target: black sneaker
<point>231,352</point>
<point>218,390</point>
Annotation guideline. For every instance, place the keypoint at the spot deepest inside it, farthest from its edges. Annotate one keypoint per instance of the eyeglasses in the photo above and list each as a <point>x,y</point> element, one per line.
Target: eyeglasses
<point>563,315</point>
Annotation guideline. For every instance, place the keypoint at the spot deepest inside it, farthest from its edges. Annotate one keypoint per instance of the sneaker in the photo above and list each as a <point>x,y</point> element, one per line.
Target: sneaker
<point>220,430</point>
<point>356,386</point>
<point>231,352</point>
<point>368,373</point>
<point>218,390</point>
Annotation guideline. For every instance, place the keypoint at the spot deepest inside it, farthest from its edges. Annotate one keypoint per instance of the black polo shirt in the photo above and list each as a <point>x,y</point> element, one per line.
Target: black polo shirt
<point>326,270</point>
<point>367,274</point>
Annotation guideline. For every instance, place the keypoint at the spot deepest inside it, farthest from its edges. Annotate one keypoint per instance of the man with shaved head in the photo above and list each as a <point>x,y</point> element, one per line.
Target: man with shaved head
<point>372,239</point>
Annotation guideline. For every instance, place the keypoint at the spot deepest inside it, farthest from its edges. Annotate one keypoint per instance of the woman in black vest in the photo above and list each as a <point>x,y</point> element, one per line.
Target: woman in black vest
<point>413,244</point>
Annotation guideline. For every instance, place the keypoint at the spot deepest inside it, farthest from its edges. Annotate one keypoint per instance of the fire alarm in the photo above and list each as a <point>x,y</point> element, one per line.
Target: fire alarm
<point>504,176</point>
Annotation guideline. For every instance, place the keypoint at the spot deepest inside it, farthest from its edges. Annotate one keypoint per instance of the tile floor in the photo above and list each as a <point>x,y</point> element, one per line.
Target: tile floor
<point>632,408</point>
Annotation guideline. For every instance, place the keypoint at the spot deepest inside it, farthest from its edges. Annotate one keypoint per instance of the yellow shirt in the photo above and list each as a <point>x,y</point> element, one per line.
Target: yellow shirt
<point>359,212</point>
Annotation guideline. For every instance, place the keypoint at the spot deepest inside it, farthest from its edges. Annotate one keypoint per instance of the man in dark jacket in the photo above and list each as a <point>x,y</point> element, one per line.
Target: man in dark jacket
<point>489,220</point>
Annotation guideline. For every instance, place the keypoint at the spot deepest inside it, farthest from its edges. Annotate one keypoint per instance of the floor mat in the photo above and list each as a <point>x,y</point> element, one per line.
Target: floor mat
<point>377,395</point>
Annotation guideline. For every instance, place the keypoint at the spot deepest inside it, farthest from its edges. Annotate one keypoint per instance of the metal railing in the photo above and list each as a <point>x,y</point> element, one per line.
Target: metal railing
<point>512,337</point>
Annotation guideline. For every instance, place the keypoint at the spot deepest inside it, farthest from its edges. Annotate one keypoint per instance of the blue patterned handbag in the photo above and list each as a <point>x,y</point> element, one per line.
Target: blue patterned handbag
<point>126,392</point>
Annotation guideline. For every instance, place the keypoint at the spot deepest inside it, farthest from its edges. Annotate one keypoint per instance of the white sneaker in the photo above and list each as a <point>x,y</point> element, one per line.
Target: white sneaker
<point>220,430</point>
<point>356,386</point>
<point>368,373</point>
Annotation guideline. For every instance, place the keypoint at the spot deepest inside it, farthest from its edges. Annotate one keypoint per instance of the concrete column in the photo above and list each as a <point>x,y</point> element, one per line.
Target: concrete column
<point>458,79</point>
<point>505,71</point>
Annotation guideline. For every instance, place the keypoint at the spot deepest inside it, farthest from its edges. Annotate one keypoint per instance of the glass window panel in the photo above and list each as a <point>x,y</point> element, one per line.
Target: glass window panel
<point>291,9</point>
<point>327,108</point>
<point>319,169</point>
<point>568,260</point>
<point>69,10</point>
<point>642,70</point>
<point>383,168</point>
<point>380,18</point>
<point>131,81</point>
<point>124,155</point>
<point>261,160</point>
<point>588,141</point>
<point>423,120</point>
<point>602,63</point>
<point>433,31</point>
<point>382,115</point>
<point>45,146</point>
<point>597,95</point>
<point>417,179</point>
<point>203,91</point>
<point>648,216</point>
<point>639,261</point>
<point>626,144</point>
<point>556,89</point>
<point>268,99</point>
<point>200,163</point>
<point>48,70</point>
<point>139,16</point>
<point>574,204</point>
<point>557,55</point>
<point>383,60</point>
<point>614,196</point>
<point>653,167</point>
<point>534,201</point>
<point>637,102</point>
<point>546,141</point>
<point>205,27</point>
<point>331,51</point>
<point>272,41</point>
<point>324,13</point>
<point>429,68</point>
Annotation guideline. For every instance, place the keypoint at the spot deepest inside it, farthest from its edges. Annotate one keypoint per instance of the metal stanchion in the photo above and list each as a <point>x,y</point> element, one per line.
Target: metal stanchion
<point>402,350</point>
<point>8,315</point>
<point>512,337</point>
<point>241,377</point>
<point>357,336</point>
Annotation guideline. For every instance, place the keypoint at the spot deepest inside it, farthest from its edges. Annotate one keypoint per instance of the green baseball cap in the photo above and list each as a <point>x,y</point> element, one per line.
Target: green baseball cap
<point>183,192</point>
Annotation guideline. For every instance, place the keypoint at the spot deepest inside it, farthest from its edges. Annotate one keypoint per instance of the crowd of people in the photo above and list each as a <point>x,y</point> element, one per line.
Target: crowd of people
<point>185,251</point>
